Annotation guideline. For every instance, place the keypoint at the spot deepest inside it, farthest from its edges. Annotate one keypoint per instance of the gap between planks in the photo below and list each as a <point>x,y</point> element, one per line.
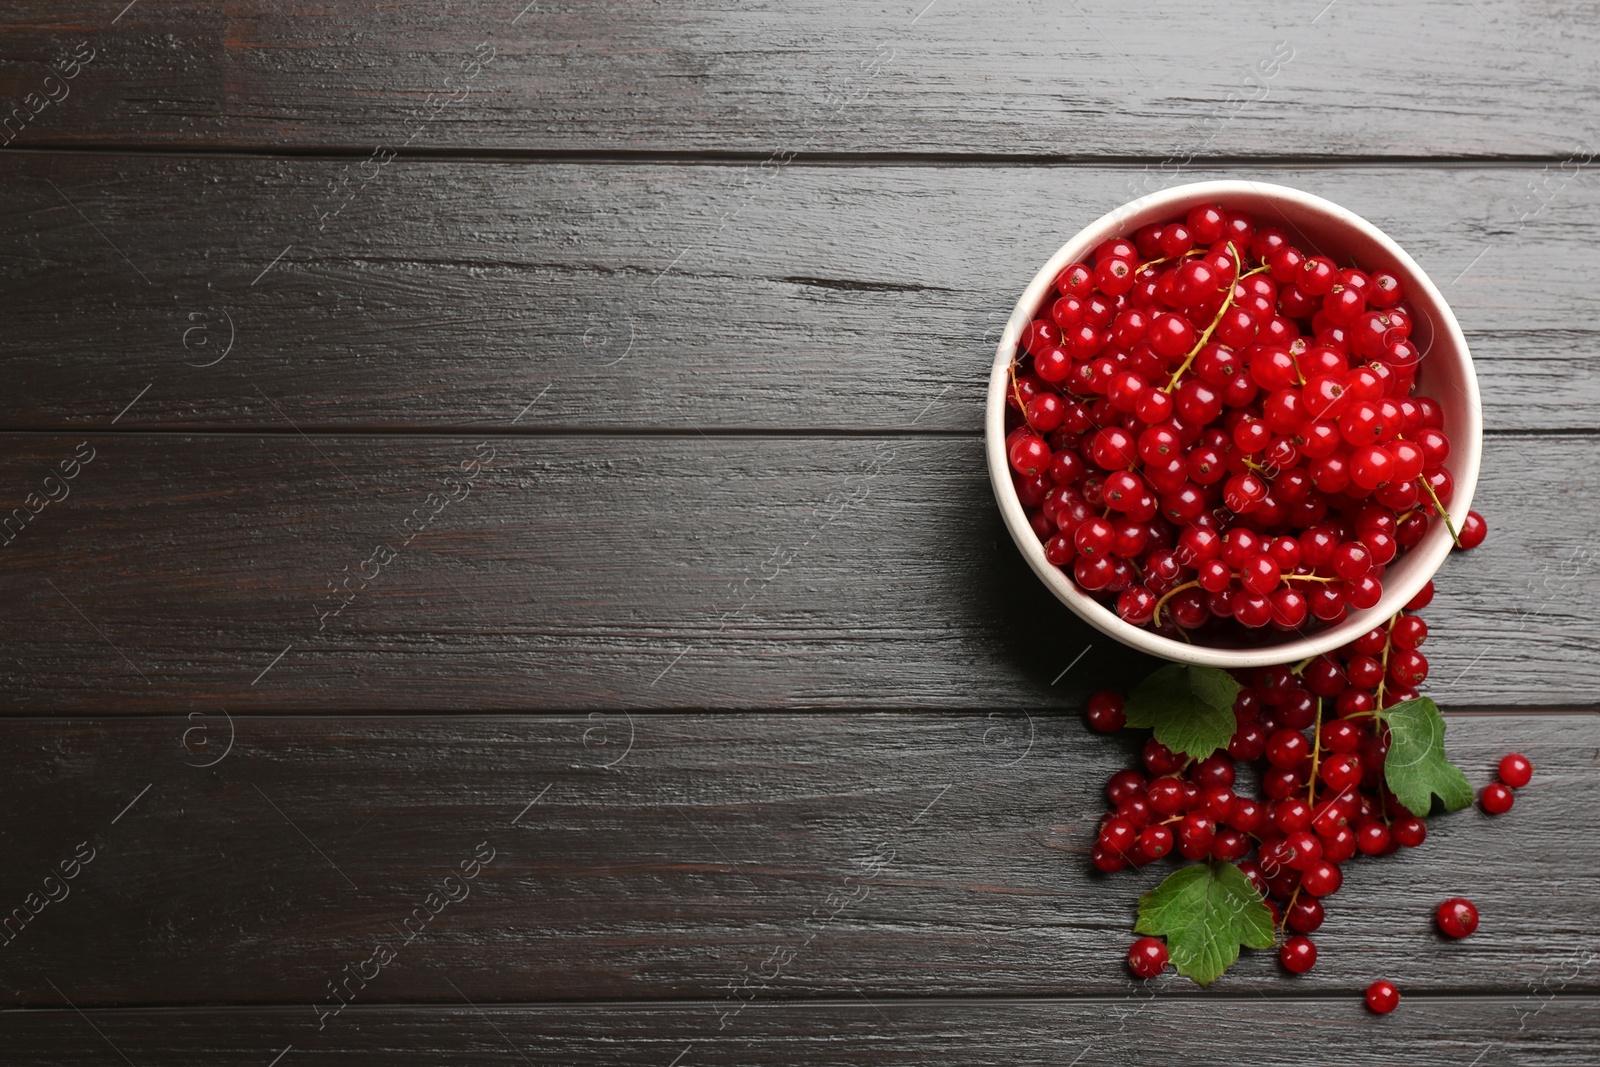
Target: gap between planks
<point>469,429</point>
<point>714,158</point>
<point>930,1001</point>
<point>1532,711</point>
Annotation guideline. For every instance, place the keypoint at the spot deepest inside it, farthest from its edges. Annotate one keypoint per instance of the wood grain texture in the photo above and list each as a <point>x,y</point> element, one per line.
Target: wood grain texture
<point>665,572</point>
<point>1084,80</point>
<point>738,859</point>
<point>1429,1033</point>
<point>448,295</point>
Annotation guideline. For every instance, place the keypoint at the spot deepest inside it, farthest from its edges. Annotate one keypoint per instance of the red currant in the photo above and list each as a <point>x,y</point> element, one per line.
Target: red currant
<point>1496,798</point>
<point>1299,954</point>
<point>1383,997</point>
<point>1105,712</point>
<point>1457,917</point>
<point>1473,530</point>
<point>1515,770</point>
<point>1147,957</point>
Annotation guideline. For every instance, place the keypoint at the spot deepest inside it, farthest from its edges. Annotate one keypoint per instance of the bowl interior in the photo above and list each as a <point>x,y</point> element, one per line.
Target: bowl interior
<point>1445,373</point>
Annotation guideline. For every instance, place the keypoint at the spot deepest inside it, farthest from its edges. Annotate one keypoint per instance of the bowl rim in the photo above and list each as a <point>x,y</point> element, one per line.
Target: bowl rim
<point>1466,442</point>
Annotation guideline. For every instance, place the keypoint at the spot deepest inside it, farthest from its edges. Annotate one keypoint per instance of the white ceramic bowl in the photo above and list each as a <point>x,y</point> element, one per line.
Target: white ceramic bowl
<point>1445,373</point>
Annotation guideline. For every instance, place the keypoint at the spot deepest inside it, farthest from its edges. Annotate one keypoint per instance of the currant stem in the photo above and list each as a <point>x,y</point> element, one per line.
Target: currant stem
<point>1283,923</point>
<point>1164,259</point>
<point>1316,757</point>
<point>1206,337</point>
<point>1155,616</point>
<point>1443,514</point>
<point>1388,643</point>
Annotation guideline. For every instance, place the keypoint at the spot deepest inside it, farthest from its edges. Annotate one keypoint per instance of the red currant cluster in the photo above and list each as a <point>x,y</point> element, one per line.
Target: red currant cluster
<point>1209,424</point>
<point>1317,750</point>
<point>1498,796</point>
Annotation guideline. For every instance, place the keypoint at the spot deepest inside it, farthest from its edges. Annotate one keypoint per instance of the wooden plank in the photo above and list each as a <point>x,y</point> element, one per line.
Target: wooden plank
<point>447,295</point>
<point>1089,80</point>
<point>1427,1033</point>
<point>642,573</point>
<point>740,859</point>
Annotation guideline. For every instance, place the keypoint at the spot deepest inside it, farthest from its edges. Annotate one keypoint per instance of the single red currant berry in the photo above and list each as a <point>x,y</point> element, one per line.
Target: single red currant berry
<point>1341,736</point>
<point>1154,406</point>
<point>1423,598</point>
<point>1496,798</point>
<point>1106,862</point>
<point>1114,448</point>
<point>1372,837</point>
<point>1298,954</point>
<point>1147,957</point>
<point>1287,749</point>
<point>1045,412</point>
<point>1075,279</point>
<point>1322,879</point>
<point>1260,574</point>
<point>1175,239</point>
<point>1515,770</point>
<point>1213,770</point>
<point>1125,785</point>
<point>1362,593</point>
<point>1305,915</point>
<point>1117,835</point>
<point>1197,832</point>
<point>1408,668</point>
<point>1029,455</point>
<point>1409,831</point>
<point>1473,530</point>
<point>1230,845</point>
<point>1305,849</point>
<point>1105,712</point>
<point>1351,560</point>
<point>1291,816</point>
<point>1282,782</point>
<point>1457,917</point>
<point>1289,609</point>
<point>1053,364</point>
<point>1165,796</point>
<point>1384,290</point>
<point>1408,632</point>
<point>1094,538</point>
<point>1136,811</point>
<point>1340,772</point>
<point>1253,872</point>
<point>1114,276</point>
<point>1159,759</point>
<point>1246,814</point>
<point>1136,605</point>
<point>1247,744</point>
<point>1340,845</point>
<point>1171,335</point>
<point>1155,841</point>
<point>1317,275</point>
<point>1383,997</point>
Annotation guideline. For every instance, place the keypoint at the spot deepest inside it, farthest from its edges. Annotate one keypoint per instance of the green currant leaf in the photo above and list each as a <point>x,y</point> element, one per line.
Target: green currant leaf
<point>1416,768</point>
<point>1190,708</point>
<point>1206,912</point>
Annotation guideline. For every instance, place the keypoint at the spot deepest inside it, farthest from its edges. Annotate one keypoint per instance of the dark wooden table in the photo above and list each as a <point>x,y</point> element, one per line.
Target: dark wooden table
<point>527,562</point>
